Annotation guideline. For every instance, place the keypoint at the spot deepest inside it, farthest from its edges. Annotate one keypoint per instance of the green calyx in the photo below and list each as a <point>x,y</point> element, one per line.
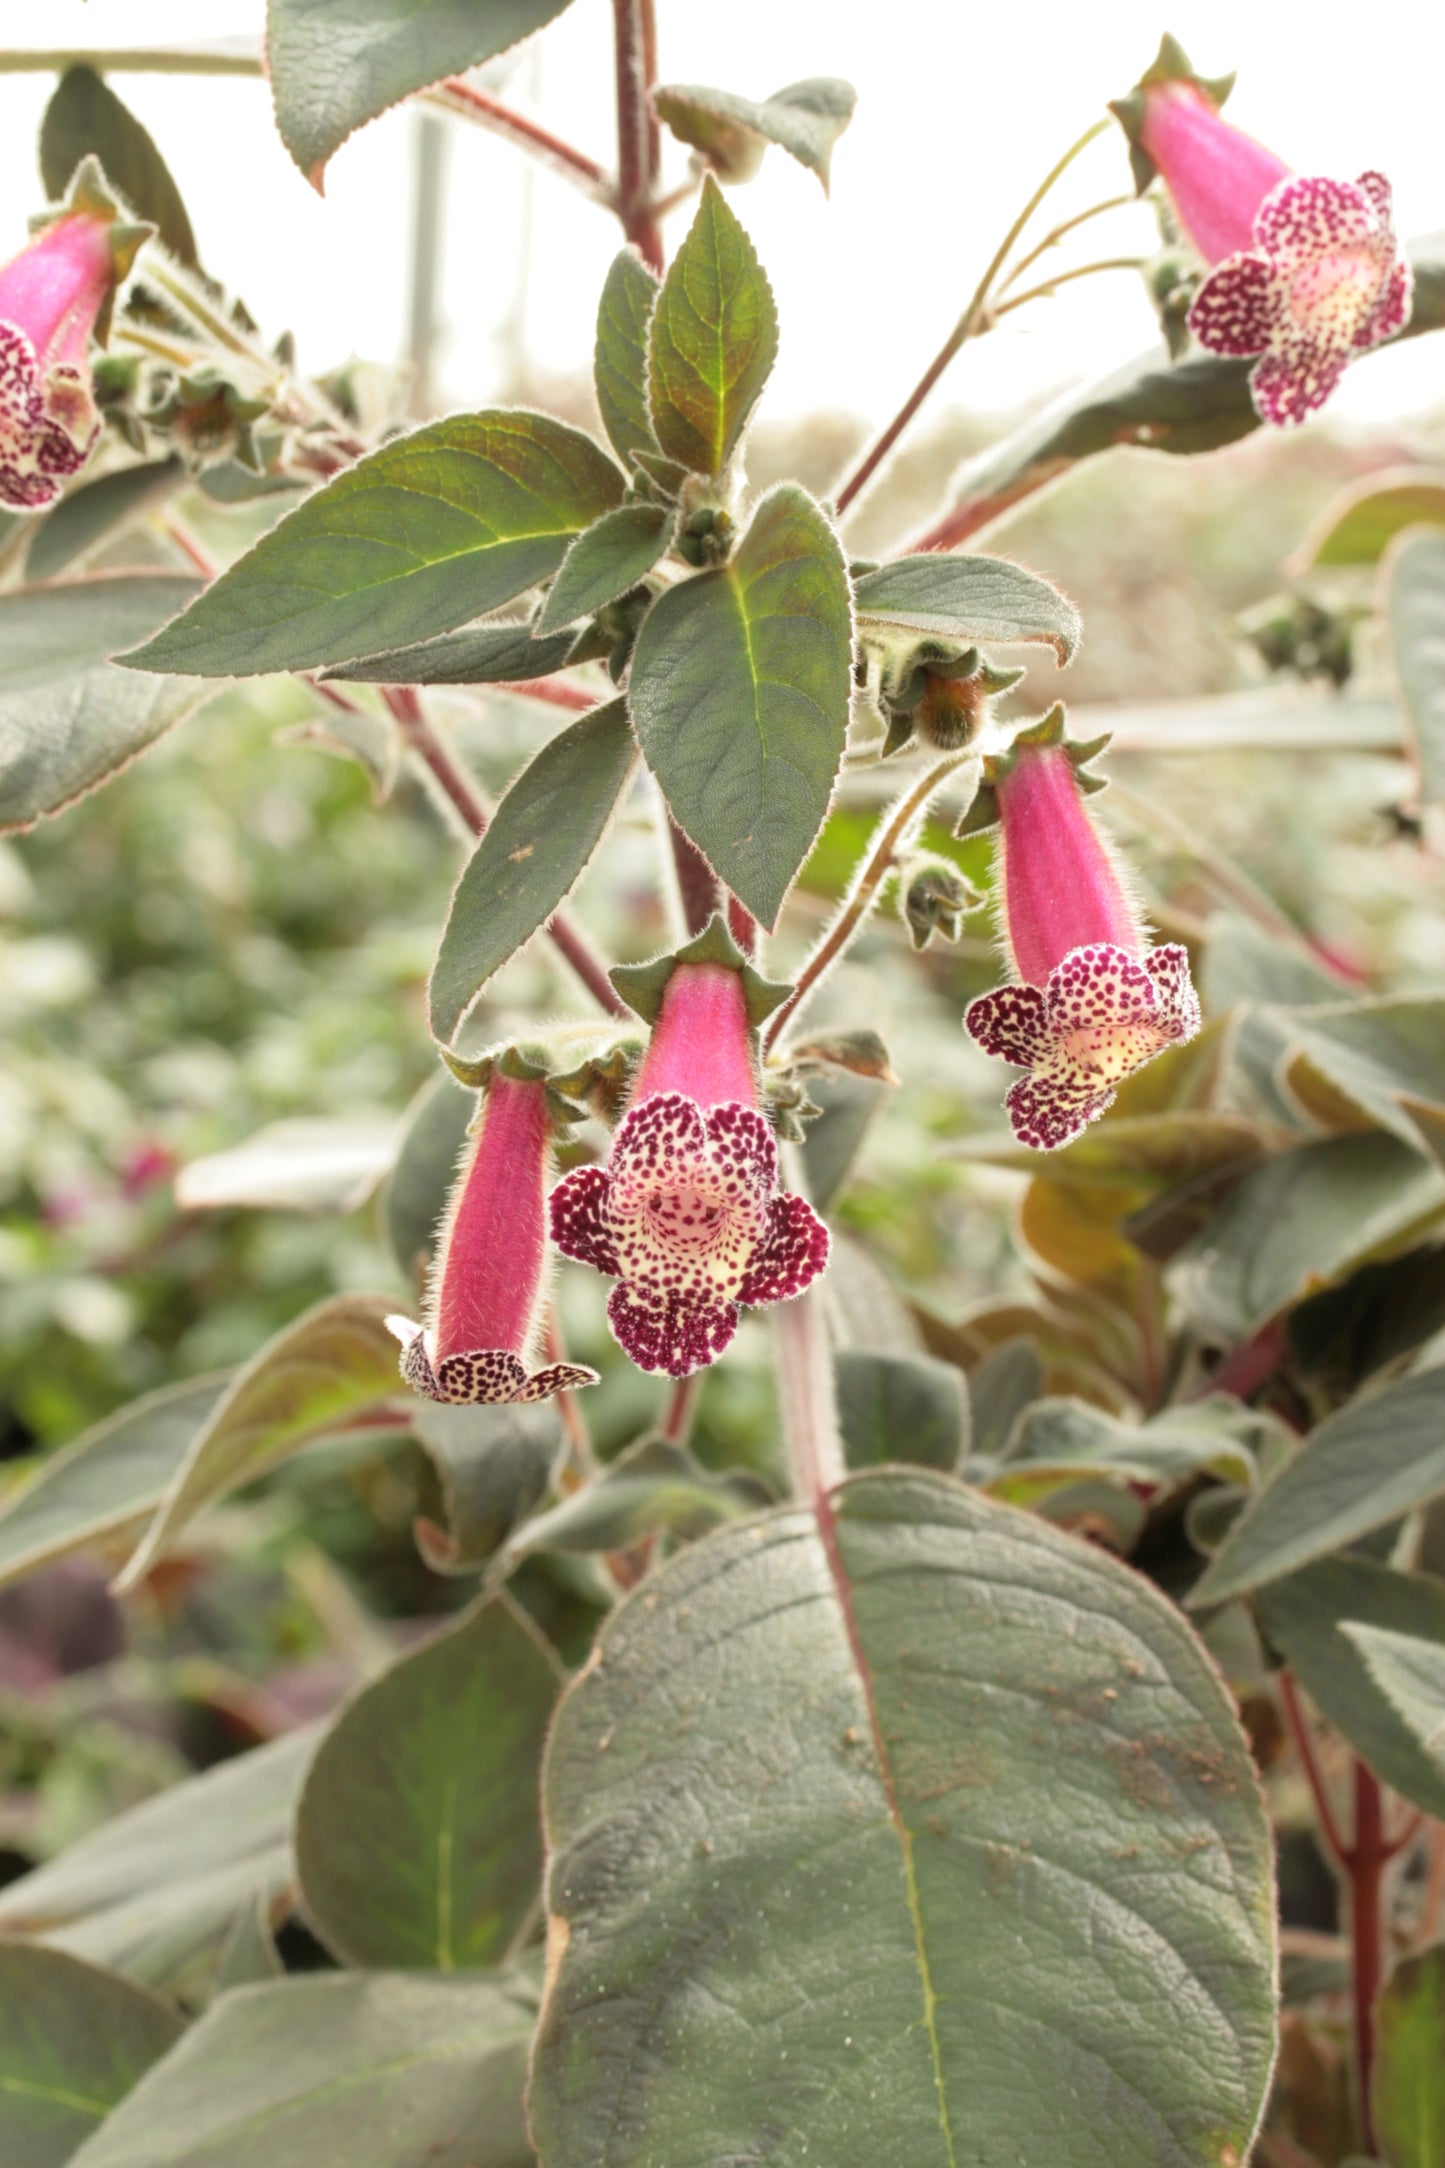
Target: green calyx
<point>582,1076</point>
<point>90,195</point>
<point>937,690</point>
<point>642,986</point>
<point>1048,733</point>
<point>935,898</point>
<point>211,417</point>
<point>1170,65</point>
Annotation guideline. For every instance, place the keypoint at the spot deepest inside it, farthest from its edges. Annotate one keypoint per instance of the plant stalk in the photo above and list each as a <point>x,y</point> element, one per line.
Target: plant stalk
<point>1368,1862</point>
<point>477,105</point>
<point>805,1389</point>
<point>639,142</point>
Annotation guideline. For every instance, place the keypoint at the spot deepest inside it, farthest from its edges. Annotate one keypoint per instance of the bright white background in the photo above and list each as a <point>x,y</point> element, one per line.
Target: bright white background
<point>961,110</point>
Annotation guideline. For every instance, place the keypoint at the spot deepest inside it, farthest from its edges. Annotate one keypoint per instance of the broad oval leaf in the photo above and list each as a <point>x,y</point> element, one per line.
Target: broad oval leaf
<point>418,1843</point>
<point>804,119</point>
<point>155,1892</point>
<point>1415,598</point>
<point>335,64</point>
<point>494,1465</point>
<point>380,2070</point>
<point>1409,2087</point>
<point>619,363</point>
<point>606,559</point>
<point>653,1485</point>
<point>920,1834</point>
<point>68,721</point>
<point>739,690</point>
<point>86,118</point>
<point>713,342</point>
<point>969,598</point>
<point>900,1408</point>
<point>89,515</point>
<point>1410,1673</point>
<point>541,836</point>
<point>478,655</point>
<point>313,1377</point>
<point>1365,1466</point>
<point>108,1483</point>
<point>429,532</point>
<point>1357,527</point>
<point>73,2041</point>
<point>1385,1058</point>
<point>1305,1618</point>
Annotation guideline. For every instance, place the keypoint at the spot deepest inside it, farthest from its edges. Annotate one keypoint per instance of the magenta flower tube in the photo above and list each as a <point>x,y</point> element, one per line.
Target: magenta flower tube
<point>687,1215</point>
<point>51,295</point>
<point>487,1283</point>
<point>1216,175</point>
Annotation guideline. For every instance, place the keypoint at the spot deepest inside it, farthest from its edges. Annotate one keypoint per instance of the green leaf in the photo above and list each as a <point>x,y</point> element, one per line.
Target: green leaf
<point>73,2041</point>
<point>309,1163</point>
<point>1305,1616</point>
<point>417,1837</point>
<point>68,721</point>
<point>85,117</point>
<point>1415,601</point>
<point>380,2070</point>
<point>1409,2084</point>
<point>334,1361</point>
<point>1358,526</point>
<point>479,655</point>
<point>1385,1057</point>
<point>336,64</point>
<point>108,1483</point>
<point>1206,1437</point>
<point>1410,1673</point>
<point>540,839</point>
<point>739,690</point>
<point>833,1142</point>
<point>619,364</point>
<point>494,1465</point>
<point>424,535</point>
<point>1300,1221</point>
<point>1363,1468</point>
<point>969,598</point>
<point>713,341</point>
<point>805,119</point>
<point>872,1832</point>
<point>653,1484</point>
<point>1381,1313</point>
<point>95,511</point>
<point>155,1892</point>
<point>900,1408</point>
<point>606,560</point>
<point>417,1188</point>
<point>1243,963</point>
<point>1004,1384</point>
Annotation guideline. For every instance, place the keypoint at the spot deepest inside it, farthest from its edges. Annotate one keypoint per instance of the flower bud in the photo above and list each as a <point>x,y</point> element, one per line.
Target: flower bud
<point>934,898</point>
<point>1306,271</point>
<point>487,1282</point>
<point>1096,1002</point>
<point>53,295</point>
<point>687,1215</point>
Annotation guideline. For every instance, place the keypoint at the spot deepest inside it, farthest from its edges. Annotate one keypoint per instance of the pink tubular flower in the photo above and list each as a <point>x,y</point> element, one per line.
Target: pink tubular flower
<point>1096,1001</point>
<point>687,1215</point>
<point>488,1276</point>
<point>53,295</point>
<point>1306,271</point>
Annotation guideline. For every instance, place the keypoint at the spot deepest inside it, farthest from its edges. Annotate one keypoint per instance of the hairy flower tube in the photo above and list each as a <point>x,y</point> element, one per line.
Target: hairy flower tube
<point>487,1282</point>
<point>1095,1001</point>
<point>53,296</point>
<point>1306,271</point>
<point>686,1215</point>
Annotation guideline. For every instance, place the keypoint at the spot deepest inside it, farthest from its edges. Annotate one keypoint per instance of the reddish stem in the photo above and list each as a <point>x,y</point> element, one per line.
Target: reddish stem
<point>560,155</point>
<point>638,137</point>
<point>681,1408</point>
<point>697,884</point>
<point>1250,1365</point>
<point>1368,1861</point>
<point>742,926</point>
<point>1298,1722</point>
<point>556,691</point>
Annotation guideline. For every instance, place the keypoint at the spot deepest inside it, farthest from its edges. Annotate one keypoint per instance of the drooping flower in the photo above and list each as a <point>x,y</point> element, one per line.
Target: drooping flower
<point>1095,1001</point>
<point>53,296</point>
<point>1306,271</point>
<point>687,1215</point>
<point>487,1282</point>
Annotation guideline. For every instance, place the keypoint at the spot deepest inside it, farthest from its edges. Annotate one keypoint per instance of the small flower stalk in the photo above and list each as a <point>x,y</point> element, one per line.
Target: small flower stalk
<point>1305,271</point>
<point>486,1286</point>
<point>687,1215</point>
<point>1094,1001</point>
<point>54,296</point>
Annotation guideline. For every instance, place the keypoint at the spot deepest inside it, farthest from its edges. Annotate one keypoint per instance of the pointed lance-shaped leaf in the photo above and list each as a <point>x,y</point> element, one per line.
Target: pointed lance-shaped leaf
<point>85,118</point>
<point>619,363</point>
<point>606,559</point>
<point>739,691</point>
<point>418,538</point>
<point>969,598</point>
<point>713,341</point>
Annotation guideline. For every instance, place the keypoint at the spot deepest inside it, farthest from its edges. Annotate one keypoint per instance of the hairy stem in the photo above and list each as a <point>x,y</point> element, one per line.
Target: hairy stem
<point>458,788</point>
<point>1062,278</point>
<point>805,1390</point>
<point>698,888</point>
<point>1056,234</point>
<point>128,59</point>
<point>972,320</point>
<point>639,145</point>
<point>1297,1718</point>
<point>681,1409</point>
<point>889,838</point>
<point>465,99</point>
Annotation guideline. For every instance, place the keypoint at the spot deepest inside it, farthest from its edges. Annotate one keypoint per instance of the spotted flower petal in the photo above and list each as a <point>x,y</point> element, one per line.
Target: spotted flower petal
<point>1323,282</point>
<point>48,424</point>
<point>793,1253</point>
<point>1105,1014</point>
<point>1011,1024</point>
<point>479,1375</point>
<point>674,1335</point>
<point>579,1219</point>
